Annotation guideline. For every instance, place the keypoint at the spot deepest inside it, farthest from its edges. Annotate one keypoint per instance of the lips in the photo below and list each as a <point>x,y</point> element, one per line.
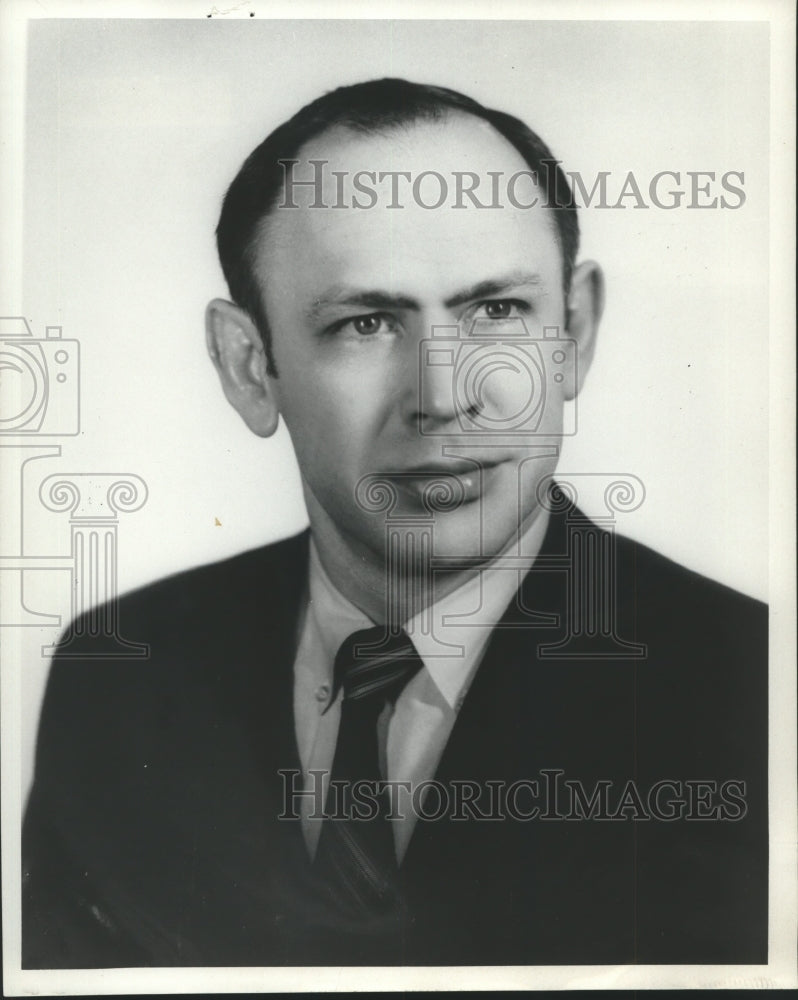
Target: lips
<point>456,466</point>
<point>472,477</point>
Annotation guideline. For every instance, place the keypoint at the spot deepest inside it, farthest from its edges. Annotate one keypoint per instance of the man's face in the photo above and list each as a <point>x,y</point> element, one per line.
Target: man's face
<point>352,297</point>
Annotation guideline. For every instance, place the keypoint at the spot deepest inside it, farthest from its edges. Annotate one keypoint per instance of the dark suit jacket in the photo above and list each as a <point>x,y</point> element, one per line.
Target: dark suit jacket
<point>151,835</point>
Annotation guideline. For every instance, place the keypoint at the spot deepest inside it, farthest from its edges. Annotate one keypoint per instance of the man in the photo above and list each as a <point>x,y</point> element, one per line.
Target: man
<point>455,722</point>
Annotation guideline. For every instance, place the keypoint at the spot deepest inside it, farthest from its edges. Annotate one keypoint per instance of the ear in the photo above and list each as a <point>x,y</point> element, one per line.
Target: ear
<point>236,349</point>
<point>584,310</point>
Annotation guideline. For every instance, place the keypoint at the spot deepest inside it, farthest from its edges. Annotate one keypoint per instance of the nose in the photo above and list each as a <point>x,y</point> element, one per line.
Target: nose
<point>432,400</point>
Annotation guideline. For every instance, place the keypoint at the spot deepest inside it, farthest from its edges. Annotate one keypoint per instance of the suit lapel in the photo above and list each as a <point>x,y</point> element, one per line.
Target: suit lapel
<point>525,718</point>
<point>482,740</point>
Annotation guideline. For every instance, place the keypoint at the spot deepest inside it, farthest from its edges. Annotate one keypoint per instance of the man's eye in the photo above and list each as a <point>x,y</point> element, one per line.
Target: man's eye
<point>365,326</point>
<point>501,308</point>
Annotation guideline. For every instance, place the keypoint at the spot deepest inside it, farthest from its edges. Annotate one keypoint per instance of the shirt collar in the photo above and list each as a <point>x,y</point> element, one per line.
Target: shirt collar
<point>451,635</point>
<point>336,617</point>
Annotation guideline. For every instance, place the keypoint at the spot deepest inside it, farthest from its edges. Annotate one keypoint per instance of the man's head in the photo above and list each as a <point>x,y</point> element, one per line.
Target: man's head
<point>338,312</point>
<point>371,108</point>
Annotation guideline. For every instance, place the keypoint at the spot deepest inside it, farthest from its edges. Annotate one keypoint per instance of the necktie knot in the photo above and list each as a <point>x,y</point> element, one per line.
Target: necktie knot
<point>374,664</point>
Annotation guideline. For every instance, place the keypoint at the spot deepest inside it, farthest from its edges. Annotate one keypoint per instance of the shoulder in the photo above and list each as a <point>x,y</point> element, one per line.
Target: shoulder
<point>671,593</point>
<point>192,609</point>
<point>703,680</point>
<point>188,608</point>
<point>695,639</point>
<point>649,590</point>
<point>238,583</point>
<point>141,760</point>
<point>205,636</point>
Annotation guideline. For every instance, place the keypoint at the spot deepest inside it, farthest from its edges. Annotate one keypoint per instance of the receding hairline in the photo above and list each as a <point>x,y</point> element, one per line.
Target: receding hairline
<point>373,107</point>
<point>340,129</point>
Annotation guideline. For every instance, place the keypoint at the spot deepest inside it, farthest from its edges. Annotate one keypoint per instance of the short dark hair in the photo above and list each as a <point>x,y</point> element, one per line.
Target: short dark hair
<point>374,106</point>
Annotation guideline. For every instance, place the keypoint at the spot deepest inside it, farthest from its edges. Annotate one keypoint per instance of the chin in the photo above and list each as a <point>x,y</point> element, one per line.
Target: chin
<point>469,534</point>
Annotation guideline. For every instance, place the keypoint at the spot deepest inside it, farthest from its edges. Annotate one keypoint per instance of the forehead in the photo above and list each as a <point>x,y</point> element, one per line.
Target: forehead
<point>412,248</point>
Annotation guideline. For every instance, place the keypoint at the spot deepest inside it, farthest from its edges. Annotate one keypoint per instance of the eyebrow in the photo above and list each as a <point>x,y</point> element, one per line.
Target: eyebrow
<point>376,299</point>
<point>493,286</point>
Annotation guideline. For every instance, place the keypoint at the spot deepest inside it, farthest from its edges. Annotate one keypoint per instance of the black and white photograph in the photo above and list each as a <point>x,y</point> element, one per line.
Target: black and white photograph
<point>397,478</point>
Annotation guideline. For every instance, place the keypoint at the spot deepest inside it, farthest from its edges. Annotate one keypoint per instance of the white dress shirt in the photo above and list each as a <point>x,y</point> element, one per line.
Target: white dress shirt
<point>414,734</point>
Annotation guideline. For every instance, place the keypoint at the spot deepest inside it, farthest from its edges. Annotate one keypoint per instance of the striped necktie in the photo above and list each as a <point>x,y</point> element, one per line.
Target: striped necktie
<point>355,857</point>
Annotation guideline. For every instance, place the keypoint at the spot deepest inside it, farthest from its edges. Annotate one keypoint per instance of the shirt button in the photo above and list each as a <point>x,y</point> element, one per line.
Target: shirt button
<point>322,692</point>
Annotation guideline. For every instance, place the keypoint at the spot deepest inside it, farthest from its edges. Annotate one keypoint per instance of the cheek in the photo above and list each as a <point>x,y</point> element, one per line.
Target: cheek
<point>330,420</point>
<point>522,393</point>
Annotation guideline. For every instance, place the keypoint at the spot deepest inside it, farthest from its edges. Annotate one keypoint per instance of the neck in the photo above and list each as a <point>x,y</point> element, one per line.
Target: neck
<point>361,574</point>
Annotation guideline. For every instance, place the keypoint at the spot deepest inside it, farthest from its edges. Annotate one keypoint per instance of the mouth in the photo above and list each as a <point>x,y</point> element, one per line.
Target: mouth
<point>472,478</point>
<point>452,467</point>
